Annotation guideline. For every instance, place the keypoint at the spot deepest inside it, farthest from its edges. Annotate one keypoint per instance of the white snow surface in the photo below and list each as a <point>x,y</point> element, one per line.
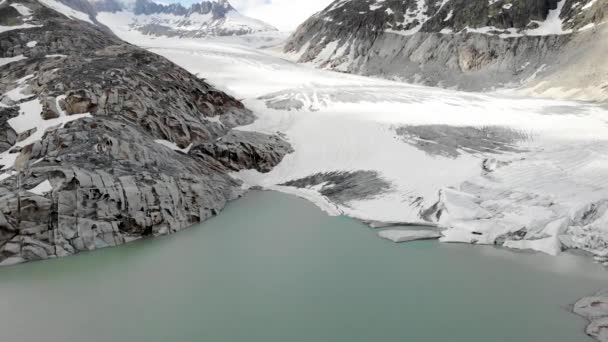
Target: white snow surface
<point>7,60</point>
<point>554,183</point>
<point>42,188</point>
<point>408,235</point>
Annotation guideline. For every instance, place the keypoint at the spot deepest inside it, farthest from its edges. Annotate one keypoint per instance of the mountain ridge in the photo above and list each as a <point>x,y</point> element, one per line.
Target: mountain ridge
<point>201,19</point>
<point>468,45</point>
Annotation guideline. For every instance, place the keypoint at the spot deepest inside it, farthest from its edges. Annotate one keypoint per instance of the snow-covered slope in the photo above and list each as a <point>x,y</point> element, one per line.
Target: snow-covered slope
<point>203,19</point>
<point>465,44</point>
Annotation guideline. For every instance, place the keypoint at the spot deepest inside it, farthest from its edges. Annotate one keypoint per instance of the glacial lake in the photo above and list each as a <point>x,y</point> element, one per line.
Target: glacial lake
<point>275,268</point>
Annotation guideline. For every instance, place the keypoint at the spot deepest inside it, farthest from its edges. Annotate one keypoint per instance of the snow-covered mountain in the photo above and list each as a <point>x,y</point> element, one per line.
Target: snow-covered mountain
<point>468,44</point>
<point>206,18</point>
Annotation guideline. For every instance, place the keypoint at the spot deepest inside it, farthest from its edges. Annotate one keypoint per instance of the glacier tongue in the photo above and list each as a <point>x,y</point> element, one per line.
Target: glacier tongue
<point>485,168</point>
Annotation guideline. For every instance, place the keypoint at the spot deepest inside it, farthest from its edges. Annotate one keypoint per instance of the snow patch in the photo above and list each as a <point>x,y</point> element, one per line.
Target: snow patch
<point>42,188</point>
<point>17,27</point>
<point>8,60</point>
<point>22,9</point>
<point>30,120</point>
<point>173,146</point>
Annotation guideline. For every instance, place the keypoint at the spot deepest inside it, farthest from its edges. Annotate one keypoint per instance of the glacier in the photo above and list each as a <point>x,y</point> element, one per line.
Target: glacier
<point>485,168</point>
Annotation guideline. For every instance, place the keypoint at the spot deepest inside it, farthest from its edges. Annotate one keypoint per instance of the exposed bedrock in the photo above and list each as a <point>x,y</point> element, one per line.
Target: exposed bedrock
<point>344,186</point>
<point>595,310</point>
<point>99,177</point>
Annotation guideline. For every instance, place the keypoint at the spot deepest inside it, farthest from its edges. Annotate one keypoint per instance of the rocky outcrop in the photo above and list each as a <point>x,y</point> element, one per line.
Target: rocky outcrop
<point>470,45</point>
<point>239,150</point>
<point>595,310</point>
<point>91,173</point>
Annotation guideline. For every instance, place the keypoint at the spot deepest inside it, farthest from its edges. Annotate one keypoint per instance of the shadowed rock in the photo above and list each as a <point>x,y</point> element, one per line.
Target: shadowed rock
<point>103,180</point>
<point>344,186</point>
<point>451,141</point>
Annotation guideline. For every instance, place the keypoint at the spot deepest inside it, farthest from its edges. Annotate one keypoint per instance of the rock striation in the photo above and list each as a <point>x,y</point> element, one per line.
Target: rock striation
<point>81,117</point>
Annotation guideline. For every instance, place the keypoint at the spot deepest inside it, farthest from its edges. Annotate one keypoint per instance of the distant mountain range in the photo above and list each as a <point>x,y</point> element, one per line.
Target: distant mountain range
<point>148,18</point>
<point>205,18</point>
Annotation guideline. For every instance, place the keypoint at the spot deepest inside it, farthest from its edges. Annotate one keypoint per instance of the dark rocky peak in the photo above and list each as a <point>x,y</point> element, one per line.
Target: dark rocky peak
<point>217,8</point>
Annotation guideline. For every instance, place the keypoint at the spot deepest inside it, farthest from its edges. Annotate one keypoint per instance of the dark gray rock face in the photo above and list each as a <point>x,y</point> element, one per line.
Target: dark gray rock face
<point>110,181</point>
<point>465,44</point>
<point>450,141</point>
<point>344,186</point>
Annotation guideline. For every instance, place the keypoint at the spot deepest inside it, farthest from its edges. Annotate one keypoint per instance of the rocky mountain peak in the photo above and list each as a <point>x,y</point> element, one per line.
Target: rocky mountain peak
<point>217,9</point>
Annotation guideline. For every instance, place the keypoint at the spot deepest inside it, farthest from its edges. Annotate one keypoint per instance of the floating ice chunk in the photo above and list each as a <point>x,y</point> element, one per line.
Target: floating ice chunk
<point>32,44</point>
<point>17,93</point>
<point>550,245</point>
<point>408,235</point>
<point>455,235</point>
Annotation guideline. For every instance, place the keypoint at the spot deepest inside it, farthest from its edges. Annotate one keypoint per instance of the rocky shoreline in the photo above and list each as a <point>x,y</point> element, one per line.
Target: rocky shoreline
<point>88,122</point>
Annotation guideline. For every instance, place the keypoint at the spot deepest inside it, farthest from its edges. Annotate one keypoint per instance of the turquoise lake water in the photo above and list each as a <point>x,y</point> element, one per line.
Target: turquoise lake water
<point>275,268</point>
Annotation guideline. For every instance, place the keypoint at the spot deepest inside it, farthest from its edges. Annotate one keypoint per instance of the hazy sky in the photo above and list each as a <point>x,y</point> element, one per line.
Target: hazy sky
<point>286,15</point>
